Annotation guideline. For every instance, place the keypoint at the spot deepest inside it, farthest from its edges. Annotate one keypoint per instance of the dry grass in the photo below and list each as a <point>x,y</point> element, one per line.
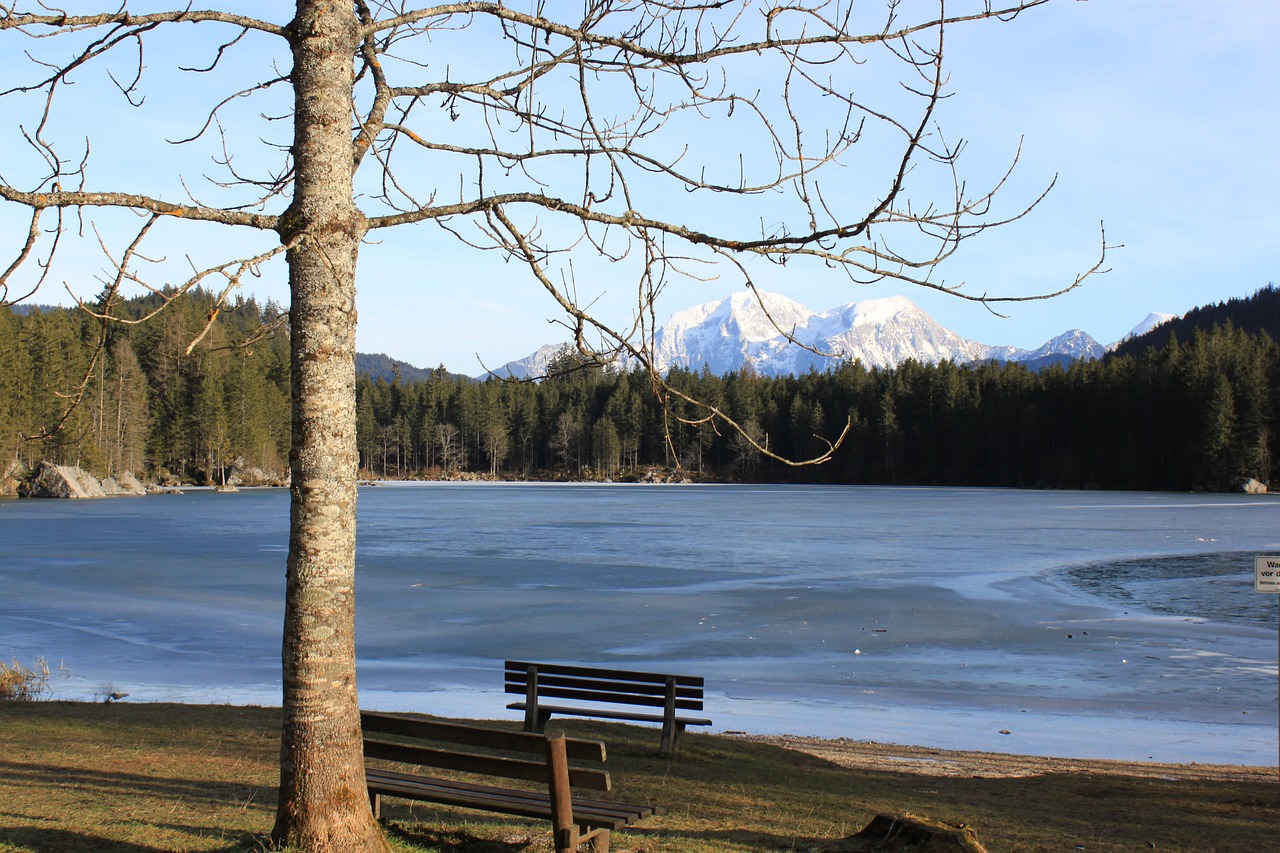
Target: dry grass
<point>24,684</point>
<point>122,778</point>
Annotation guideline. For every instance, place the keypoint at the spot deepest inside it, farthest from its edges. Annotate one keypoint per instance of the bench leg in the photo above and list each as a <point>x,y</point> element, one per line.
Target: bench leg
<point>375,803</point>
<point>670,730</point>
<point>533,719</point>
<point>565,840</point>
<point>536,723</point>
<point>599,841</point>
<point>564,831</point>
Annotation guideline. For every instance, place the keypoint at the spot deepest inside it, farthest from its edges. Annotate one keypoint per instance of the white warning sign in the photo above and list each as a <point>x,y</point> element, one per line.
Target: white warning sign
<point>1266,576</point>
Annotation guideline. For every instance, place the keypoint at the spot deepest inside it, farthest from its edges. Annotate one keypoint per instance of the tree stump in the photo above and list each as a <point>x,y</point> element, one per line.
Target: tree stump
<point>907,833</point>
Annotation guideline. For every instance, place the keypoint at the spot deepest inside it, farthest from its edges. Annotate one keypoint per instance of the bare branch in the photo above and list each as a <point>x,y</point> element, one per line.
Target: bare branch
<point>35,25</point>
<point>213,113</point>
<point>232,271</point>
<point>107,302</point>
<point>775,20</point>
<point>64,199</point>
<point>623,342</point>
<point>33,235</point>
<point>625,96</point>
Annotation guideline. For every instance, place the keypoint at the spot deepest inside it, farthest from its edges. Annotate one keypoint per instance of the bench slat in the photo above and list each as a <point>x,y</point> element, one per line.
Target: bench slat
<point>609,715</point>
<point>486,765</point>
<point>599,686</point>
<point>519,668</point>
<point>602,696</point>
<point>622,682</point>
<point>513,795</point>
<point>626,690</point>
<point>594,813</point>
<point>536,744</point>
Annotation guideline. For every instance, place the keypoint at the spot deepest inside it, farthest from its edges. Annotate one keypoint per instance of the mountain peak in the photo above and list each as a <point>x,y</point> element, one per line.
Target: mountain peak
<point>1155,318</point>
<point>879,311</point>
<point>735,331</point>
<point>754,329</point>
<point>744,311</point>
<point>1073,342</point>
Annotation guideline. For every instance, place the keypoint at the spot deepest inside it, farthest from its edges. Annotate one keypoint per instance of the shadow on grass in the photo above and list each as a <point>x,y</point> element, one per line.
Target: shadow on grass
<point>429,837</point>
<point>55,807</point>
<point>34,840</point>
<point>116,782</point>
<point>461,841</point>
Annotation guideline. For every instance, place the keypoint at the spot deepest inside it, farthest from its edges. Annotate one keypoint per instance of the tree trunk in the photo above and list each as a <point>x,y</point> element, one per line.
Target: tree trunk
<point>323,802</point>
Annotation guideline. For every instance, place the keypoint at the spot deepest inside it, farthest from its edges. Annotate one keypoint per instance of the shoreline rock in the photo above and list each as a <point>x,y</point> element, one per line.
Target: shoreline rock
<point>71,483</point>
<point>61,481</point>
<point>1250,486</point>
<point>123,484</point>
<point>14,473</point>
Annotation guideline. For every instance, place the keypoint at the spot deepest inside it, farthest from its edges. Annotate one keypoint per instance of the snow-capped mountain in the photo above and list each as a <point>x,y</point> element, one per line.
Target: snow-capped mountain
<point>1154,319</point>
<point>740,331</point>
<point>885,333</point>
<point>730,332</point>
<point>532,366</point>
<point>1064,349</point>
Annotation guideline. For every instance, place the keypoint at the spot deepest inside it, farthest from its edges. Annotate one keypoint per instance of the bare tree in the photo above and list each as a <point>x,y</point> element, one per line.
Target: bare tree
<point>496,443</point>
<point>541,135</point>
<point>453,454</point>
<point>564,441</point>
<point>744,446</point>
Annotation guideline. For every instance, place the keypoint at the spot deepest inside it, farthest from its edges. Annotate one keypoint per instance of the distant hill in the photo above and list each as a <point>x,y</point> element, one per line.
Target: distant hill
<point>1253,314</point>
<point>381,366</point>
<point>24,309</point>
<point>374,365</point>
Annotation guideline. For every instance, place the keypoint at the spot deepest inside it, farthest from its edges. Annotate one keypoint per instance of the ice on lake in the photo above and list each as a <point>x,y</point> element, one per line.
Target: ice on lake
<point>1119,625</point>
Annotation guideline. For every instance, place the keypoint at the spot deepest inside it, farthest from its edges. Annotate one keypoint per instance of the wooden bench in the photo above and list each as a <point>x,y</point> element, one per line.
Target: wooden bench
<point>504,754</point>
<point>668,693</point>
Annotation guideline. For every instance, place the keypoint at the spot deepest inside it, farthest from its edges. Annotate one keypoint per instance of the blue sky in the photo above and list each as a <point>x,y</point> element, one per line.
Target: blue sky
<point>1158,118</point>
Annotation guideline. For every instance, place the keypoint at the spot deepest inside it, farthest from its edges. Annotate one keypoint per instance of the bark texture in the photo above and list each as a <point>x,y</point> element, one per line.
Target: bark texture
<point>323,802</point>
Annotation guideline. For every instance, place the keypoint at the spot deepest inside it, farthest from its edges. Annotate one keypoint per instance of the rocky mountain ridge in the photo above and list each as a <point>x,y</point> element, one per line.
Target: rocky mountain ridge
<point>740,331</point>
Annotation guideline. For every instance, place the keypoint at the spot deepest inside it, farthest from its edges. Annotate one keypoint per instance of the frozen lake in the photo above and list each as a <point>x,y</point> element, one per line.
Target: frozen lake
<point>1087,624</point>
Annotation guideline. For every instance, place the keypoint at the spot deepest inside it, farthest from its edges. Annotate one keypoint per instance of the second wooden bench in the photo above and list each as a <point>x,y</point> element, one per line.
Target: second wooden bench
<point>504,754</point>
<point>668,695</point>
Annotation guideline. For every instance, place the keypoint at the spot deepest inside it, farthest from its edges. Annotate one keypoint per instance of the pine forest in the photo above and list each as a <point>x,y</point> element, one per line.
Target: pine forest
<point>1197,411</point>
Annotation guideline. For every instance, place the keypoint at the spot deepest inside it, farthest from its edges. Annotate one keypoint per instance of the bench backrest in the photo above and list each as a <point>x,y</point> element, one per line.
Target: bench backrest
<point>592,684</point>
<point>434,743</point>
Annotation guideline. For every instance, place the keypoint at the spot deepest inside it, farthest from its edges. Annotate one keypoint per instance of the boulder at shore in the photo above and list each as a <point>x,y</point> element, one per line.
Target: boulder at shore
<point>123,484</point>
<point>60,481</point>
<point>14,473</point>
<point>68,481</point>
<point>1250,486</point>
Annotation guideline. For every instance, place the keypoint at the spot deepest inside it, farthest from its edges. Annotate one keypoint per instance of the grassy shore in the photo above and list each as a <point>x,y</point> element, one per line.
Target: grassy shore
<point>124,778</point>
